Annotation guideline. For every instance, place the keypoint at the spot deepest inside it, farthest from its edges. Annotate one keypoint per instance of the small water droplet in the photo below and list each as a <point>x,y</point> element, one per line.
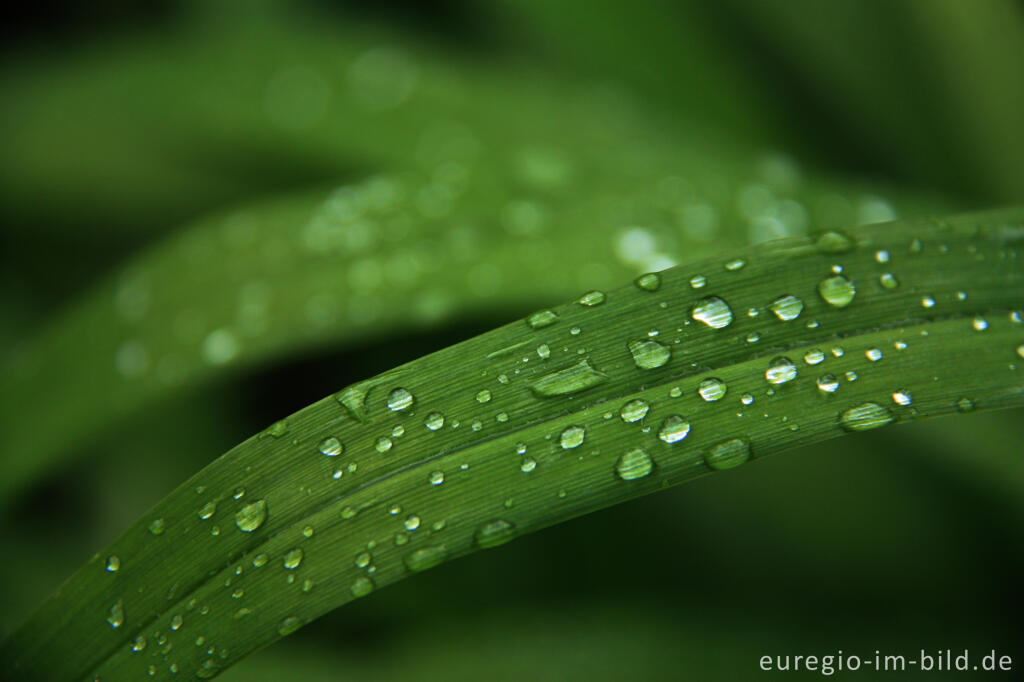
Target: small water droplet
<point>276,430</point>
<point>331,446</point>
<point>591,298</point>
<point>139,644</point>
<point>436,477</point>
<point>353,399</point>
<point>288,626</point>
<point>780,370</point>
<point>648,354</point>
<point>260,560</point>
<point>528,465</point>
<point>176,622</point>
<point>208,510</point>
<point>882,256</point>
<point>838,352</point>
<point>113,563</point>
<point>542,318</point>
<point>927,302</point>
<point>902,397</point>
<point>412,522</point>
<point>543,351</point>
<point>434,421</point>
<point>979,323</point>
<point>157,526</point>
<point>363,559</point>
<point>712,311</point>
<point>399,399</point>
<point>426,557</point>
<point>115,616</point>
<point>837,291</point>
<point>398,431</point>
<point>712,389</point>
<point>851,375</point>
<point>674,429</point>
<point>873,354</point>
<point>494,533</point>
<point>1020,350</point>
<point>753,337</point>
<point>834,241</point>
<point>634,410</point>
<point>888,280</point>
<point>383,444</point>
<point>362,586</point>
<point>747,399</point>
<point>649,282</point>
<point>574,379</point>
<point>865,416</point>
<point>572,437</point>
<point>828,383</point>
<point>966,404</point>
<point>251,516</point>
<point>787,307</point>
<point>293,559</point>
<point>814,356</point>
<point>633,465</point>
<point>728,454</point>
<point>698,281</point>
<point>483,396</point>
<point>735,264</point>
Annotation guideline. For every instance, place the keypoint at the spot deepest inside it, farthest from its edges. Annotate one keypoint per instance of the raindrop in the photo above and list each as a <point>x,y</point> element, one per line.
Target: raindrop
<point>116,614</point>
<point>363,559</point>
<point>292,559</point>
<point>361,586</point>
<point>735,264</point>
<point>483,396</point>
<point>494,533</point>
<point>412,522</point>
<point>713,312</point>
<point>834,241</point>
<point>851,376</point>
<point>277,429</point>
<point>828,383</point>
<point>139,644</point>
<point>634,410</point>
<point>288,626</point>
<point>331,446</point>
<point>698,281</point>
<point>528,465</point>
<point>434,421</point>
<point>591,298</point>
<point>208,510</point>
<point>648,354</point>
<point>865,416</point>
<point>251,516</point>
<point>747,399</point>
<point>113,563</point>
<point>728,454</point>
<point>260,560</point>
<point>383,444</point>
<point>542,318</point>
<point>927,302</point>
<point>649,282</point>
<point>1020,350</point>
<point>814,356</point>
<point>882,256</point>
<point>837,291</point>
<point>674,429</point>
<point>753,337</point>
<point>780,371</point>
<point>427,557</point>
<point>787,307</point>
<point>572,437</point>
<point>353,399</point>
<point>157,526</point>
<point>436,477</point>
<point>574,379</point>
<point>633,465</point>
<point>873,354</point>
<point>176,622</point>
<point>398,431</point>
<point>712,389</point>
<point>888,280</point>
<point>980,324</point>
<point>966,404</point>
<point>902,397</point>
<point>399,399</point>
<point>543,351</point>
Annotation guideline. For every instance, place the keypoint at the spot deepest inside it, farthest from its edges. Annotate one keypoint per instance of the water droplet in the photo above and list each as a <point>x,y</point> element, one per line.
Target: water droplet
<point>574,379</point>
<point>837,351</point>
<point>633,465</point>
<point>113,563</point>
<point>363,559</point>
<point>851,375</point>
<point>353,399</point>
<point>735,264</point>
<point>634,410</point>
<point>591,298</point>
<point>412,522</point>
<point>648,354</point>
<point>436,477</point>
<point>288,626</point>
<point>674,429</point>
<point>157,526</point>
<point>873,354</point>
<point>882,256</point>
<point>543,351</point>
<point>292,559</point>
<point>834,241</point>
<point>208,510</point>
<point>399,399</point>
<point>115,616</point>
<point>362,586</point>
<point>865,416</point>
<point>713,312</point>
<point>209,668</point>
<point>494,533</point>
<point>483,396</point>
<point>888,280</point>
<point>251,516</point>
<point>427,557</point>
<point>528,465</point>
<point>712,389</point>
<point>398,431</point>
<point>698,281</point>
<point>786,307</point>
<point>747,399</point>
<point>728,454</point>
<point>979,323</point>
<point>276,430</point>
<point>383,444</point>
<point>828,383</point>
<point>1020,350</point>
<point>139,644</point>
<point>649,282</point>
<point>902,397</point>
<point>966,404</point>
<point>916,246</point>
<point>780,370</point>
<point>814,356</point>
<point>260,560</point>
<point>542,318</point>
<point>753,337</point>
<point>331,446</point>
<point>927,302</point>
<point>434,421</point>
<point>176,622</point>
<point>572,437</point>
<point>837,291</point>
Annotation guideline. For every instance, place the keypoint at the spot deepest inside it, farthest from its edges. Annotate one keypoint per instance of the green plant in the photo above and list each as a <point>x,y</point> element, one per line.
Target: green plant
<point>736,353</point>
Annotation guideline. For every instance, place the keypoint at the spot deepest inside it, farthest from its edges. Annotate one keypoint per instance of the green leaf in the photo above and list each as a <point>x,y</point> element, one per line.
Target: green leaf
<point>615,395</point>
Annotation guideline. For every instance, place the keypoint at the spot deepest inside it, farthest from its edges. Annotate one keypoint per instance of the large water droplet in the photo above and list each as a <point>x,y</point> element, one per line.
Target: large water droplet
<point>674,429</point>
<point>633,465</point>
<point>634,410</point>
<point>542,318</point>
<point>494,533</point>
<point>780,370</point>
<point>728,454</point>
<point>572,437</point>
<point>399,399</point>
<point>427,557</point>
<point>865,416</point>
<point>837,291</point>
<point>649,354</point>
<point>251,516</point>
<point>331,446</point>
<point>579,377</point>
<point>787,307</point>
<point>713,312</point>
<point>649,282</point>
<point>712,389</point>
